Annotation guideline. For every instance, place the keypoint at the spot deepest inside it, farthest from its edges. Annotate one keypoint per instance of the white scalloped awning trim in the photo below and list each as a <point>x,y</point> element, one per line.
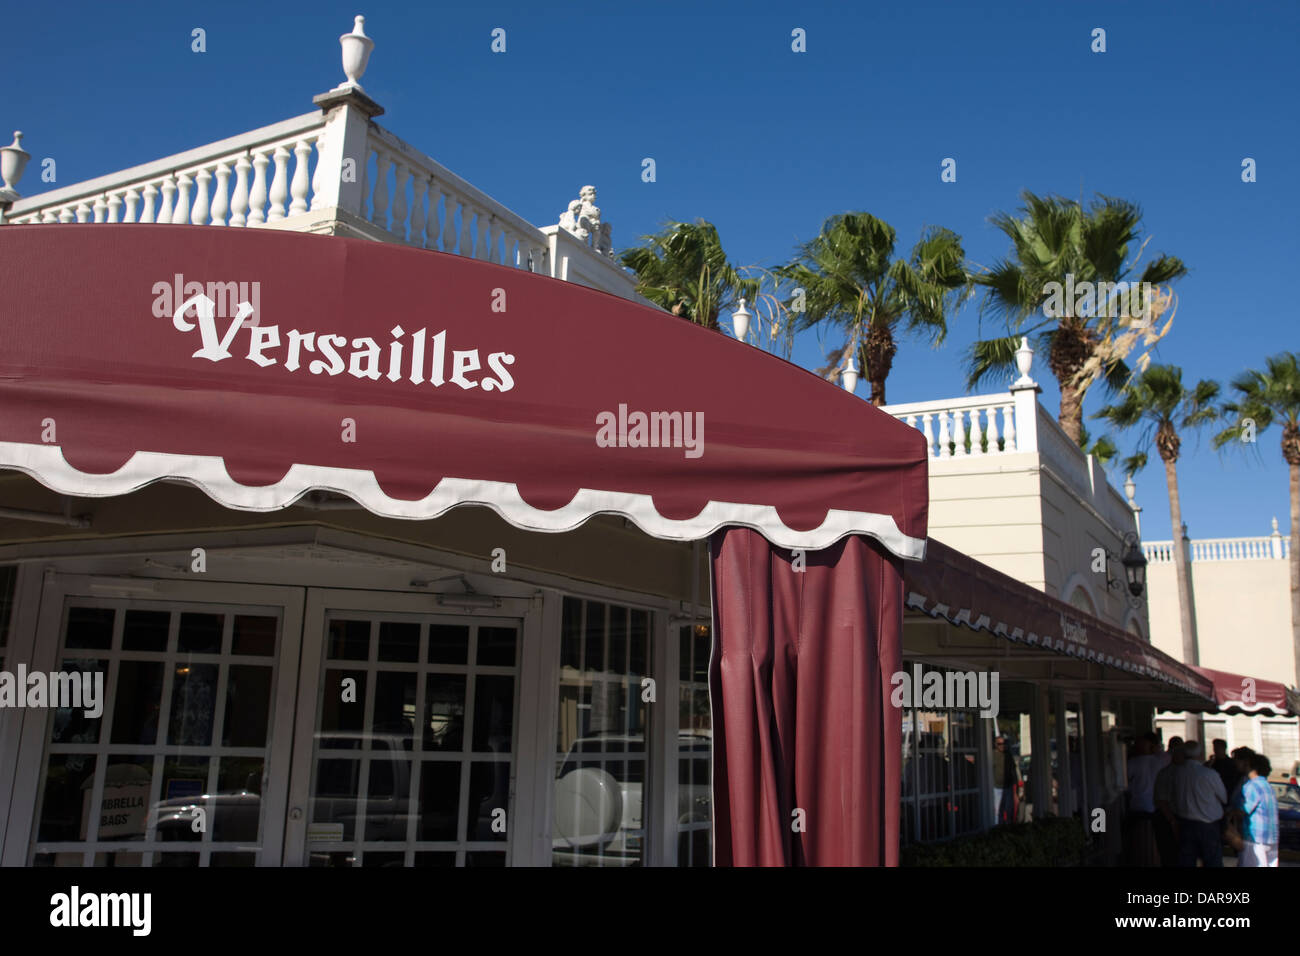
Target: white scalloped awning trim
<point>919,601</point>
<point>47,465</point>
<point>1256,708</point>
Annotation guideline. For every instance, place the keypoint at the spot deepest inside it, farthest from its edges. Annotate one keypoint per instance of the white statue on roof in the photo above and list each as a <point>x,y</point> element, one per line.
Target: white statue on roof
<point>582,220</point>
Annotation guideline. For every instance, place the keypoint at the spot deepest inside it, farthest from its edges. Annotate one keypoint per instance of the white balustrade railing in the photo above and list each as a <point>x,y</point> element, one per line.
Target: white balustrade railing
<point>257,177</point>
<point>276,172</point>
<point>418,201</point>
<point>1264,547</point>
<point>961,427</point>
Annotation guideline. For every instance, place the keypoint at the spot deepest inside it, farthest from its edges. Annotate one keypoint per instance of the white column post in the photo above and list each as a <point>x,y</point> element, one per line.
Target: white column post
<point>1025,392</point>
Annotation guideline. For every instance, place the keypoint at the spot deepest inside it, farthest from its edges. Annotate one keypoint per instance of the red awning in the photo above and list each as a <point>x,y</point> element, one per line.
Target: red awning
<point>1237,694</point>
<point>953,586</point>
<point>414,382</point>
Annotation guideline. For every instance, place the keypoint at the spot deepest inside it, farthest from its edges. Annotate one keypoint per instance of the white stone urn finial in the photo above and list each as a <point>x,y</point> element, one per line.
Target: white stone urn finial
<point>849,373</point>
<point>1024,361</point>
<point>13,160</point>
<point>740,321</point>
<point>1275,531</point>
<point>1130,490</point>
<point>356,54</point>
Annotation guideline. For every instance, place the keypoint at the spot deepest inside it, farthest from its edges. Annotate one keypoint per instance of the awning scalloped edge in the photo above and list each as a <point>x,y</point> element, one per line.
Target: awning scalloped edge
<point>46,464</point>
<point>919,601</point>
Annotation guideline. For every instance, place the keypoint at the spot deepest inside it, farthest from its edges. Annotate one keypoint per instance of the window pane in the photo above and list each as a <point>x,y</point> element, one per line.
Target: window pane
<point>349,640</point>
<point>399,641</point>
<point>90,627</point>
<point>145,630</point>
<point>496,646</point>
<point>200,633</point>
<point>137,702</point>
<point>600,759</point>
<point>254,636</point>
<point>194,691</point>
<point>248,706</point>
<point>448,644</point>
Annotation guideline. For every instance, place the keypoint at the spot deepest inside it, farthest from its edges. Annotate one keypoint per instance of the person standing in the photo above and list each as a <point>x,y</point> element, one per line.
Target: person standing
<point>1142,769</point>
<point>1162,792</point>
<point>1258,807</point>
<point>1198,802</point>
<point>1006,775</point>
<point>1223,765</point>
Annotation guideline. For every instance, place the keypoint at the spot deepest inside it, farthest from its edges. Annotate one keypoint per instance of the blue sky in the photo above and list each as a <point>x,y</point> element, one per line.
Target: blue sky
<point>767,143</point>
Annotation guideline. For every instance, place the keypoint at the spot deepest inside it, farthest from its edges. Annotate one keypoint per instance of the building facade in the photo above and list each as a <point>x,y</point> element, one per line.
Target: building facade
<point>501,718</point>
<point>1241,595</point>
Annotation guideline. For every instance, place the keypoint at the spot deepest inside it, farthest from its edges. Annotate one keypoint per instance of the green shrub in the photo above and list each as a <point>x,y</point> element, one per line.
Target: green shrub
<point>1052,841</point>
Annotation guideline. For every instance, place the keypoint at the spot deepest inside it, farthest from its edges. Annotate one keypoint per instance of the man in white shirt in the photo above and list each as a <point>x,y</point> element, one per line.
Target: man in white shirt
<point>1142,769</point>
<point>1198,799</point>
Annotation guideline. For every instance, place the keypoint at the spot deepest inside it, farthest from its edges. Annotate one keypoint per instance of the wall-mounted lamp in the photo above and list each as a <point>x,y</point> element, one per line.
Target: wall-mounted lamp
<point>1134,563</point>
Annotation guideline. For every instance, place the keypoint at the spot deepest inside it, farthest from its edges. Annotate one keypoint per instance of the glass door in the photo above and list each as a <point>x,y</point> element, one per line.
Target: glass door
<point>406,734</point>
<point>178,753</point>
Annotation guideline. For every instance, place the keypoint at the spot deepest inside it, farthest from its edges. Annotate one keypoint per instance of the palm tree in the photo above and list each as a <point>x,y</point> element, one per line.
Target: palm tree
<point>683,269</point>
<point>1262,399</point>
<point>850,279</point>
<point>1159,402</point>
<point>1103,449</point>
<point>1056,240</point>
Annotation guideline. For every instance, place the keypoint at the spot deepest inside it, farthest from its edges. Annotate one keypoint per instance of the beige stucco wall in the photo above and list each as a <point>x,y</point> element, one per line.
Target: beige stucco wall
<point>1036,517</point>
<point>1243,615</point>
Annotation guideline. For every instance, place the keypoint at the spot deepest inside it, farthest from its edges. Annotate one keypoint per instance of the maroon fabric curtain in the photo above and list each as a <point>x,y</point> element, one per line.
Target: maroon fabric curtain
<point>800,684</point>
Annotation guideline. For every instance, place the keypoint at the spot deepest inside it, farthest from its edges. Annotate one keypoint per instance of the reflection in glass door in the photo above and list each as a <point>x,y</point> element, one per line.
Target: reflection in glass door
<point>173,772</point>
<point>413,746</point>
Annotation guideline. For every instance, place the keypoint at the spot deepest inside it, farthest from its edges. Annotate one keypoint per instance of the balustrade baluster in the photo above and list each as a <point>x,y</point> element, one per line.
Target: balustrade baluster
<point>239,199</point>
<point>150,198</point>
<point>279,185</point>
<point>433,227</point>
<point>115,208</point>
<point>316,173</point>
<point>944,436</point>
<point>417,210</point>
<point>959,434</point>
<point>257,200</point>
<point>83,212</point>
<point>536,259</point>
<point>101,209</point>
<point>221,202</point>
<point>50,216</point>
<point>203,201</point>
<point>1008,428</point>
<point>466,245</point>
<point>991,432</point>
<point>301,180</point>
<point>927,430</point>
<point>484,249</point>
<point>450,205</point>
<point>181,212</point>
<point>168,197</point>
<point>379,214</point>
<point>400,173</point>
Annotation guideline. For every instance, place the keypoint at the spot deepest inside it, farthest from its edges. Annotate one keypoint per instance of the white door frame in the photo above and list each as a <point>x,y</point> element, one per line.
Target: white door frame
<point>44,656</point>
<point>526,611</point>
<point>22,637</point>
